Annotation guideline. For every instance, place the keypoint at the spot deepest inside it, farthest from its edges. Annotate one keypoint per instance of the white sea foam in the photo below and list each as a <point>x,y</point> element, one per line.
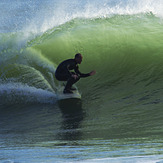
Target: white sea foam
<point>18,93</point>
<point>134,159</point>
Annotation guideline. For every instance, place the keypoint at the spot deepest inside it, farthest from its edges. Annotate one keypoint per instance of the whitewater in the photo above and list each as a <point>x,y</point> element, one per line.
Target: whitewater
<point>119,117</point>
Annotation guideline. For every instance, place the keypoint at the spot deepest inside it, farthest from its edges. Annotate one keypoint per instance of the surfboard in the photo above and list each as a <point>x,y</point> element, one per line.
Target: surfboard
<point>62,95</point>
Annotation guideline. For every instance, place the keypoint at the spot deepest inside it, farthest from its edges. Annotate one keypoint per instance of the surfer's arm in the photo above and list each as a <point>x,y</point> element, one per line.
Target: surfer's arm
<point>81,74</point>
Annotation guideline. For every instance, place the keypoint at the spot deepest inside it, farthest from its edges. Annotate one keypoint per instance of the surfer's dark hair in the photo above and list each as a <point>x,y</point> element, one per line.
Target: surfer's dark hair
<point>77,55</point>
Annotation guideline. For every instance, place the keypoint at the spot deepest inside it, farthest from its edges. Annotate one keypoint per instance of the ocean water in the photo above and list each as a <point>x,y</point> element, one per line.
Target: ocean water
<point>120,115</point>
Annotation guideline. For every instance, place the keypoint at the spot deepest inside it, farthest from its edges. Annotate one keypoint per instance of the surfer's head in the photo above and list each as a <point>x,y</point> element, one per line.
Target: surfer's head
<point>78,58</point>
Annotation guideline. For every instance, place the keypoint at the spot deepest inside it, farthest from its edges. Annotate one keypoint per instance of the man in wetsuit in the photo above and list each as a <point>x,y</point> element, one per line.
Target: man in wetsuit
<point>63,72</point>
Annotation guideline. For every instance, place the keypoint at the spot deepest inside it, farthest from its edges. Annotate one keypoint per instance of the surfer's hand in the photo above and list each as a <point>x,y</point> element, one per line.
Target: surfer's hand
<point>92,73</point>
<point>75,76</point>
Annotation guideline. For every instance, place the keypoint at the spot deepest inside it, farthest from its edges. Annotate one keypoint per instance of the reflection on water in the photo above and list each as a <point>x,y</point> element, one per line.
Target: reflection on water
<point>73,115</point>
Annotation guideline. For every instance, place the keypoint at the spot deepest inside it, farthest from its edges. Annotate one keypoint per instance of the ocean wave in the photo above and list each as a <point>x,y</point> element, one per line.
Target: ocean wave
<point>123,49</point>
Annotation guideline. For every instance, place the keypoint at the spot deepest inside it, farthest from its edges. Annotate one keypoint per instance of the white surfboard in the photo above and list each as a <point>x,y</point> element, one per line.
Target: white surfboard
<point>62,95</point>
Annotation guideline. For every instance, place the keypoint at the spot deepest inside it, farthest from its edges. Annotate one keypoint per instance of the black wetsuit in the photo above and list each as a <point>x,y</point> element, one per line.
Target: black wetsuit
<point>63,72</point>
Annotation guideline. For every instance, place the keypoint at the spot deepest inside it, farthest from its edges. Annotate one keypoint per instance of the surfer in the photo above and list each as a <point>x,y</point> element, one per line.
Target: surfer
<point>63,72</point>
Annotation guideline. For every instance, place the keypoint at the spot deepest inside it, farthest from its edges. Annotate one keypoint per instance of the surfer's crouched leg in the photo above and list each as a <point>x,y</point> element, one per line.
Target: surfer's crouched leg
<point>70,82</point>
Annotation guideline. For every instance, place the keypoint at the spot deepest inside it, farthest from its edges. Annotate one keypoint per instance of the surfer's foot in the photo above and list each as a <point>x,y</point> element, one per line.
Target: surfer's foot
<point>73,89</point>
<point>66,91</point>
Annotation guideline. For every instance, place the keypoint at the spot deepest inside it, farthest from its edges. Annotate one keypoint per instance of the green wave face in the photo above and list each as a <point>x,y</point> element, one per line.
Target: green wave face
<point>120,48</point>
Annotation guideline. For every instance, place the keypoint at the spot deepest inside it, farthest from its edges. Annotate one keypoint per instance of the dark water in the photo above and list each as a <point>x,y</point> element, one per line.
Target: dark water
<point>119,117</point>
<point>54,133</point>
